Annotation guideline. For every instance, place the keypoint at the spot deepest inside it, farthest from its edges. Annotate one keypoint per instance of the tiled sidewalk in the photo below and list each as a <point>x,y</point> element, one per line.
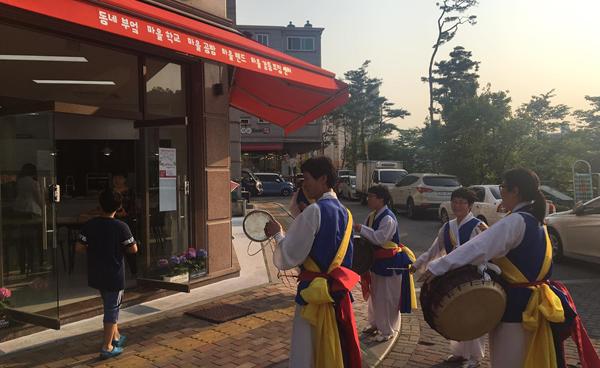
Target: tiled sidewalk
<point>174,339</point>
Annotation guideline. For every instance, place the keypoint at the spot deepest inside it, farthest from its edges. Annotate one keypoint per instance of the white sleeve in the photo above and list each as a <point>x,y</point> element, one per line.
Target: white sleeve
<point>383,234</point>
<point>495,242</point>
<point>434,251</point>
<point>294,247</point>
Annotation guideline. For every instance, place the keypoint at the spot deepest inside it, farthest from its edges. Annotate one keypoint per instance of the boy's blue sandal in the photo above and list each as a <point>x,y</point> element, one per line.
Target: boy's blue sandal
<point>120,342</point>
<point>110,354</point>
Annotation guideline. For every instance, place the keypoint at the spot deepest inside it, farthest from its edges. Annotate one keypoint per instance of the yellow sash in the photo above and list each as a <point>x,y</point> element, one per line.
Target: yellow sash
<point>544,306</point>
<point>319,311</point>
<point>409,253</point>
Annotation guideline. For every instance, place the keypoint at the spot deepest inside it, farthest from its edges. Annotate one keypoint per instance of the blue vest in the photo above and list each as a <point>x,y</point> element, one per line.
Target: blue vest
<point>334,218</point>
<point>400,260</point>
<point>464,233</point>
<point>528,257</point>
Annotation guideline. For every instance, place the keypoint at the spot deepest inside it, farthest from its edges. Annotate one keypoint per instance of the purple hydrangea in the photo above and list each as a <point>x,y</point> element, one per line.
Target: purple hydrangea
<point>175,260</point>
<point>182,259</point>
<point>162,263</point>
<point>201,253</point>
<point>191,253</point>
<point>5,293</point>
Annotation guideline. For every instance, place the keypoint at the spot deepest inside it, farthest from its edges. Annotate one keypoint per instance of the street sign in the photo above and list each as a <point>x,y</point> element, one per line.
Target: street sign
<point>582,181</point>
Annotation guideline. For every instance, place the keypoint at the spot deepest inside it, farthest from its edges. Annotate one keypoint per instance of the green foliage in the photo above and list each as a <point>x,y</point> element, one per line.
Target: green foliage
<point>366,116</point>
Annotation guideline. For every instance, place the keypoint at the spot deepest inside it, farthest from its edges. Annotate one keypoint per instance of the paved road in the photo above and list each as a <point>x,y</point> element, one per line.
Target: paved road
<point>419,234</point>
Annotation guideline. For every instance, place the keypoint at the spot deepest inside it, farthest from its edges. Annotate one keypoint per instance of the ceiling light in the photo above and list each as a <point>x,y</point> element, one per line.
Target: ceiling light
<point>72,59</point>
<point>66,81</point>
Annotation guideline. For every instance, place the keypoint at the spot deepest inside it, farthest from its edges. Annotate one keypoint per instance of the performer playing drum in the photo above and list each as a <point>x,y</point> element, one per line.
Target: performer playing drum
<point>319,241</point>
<point>388,294</point>
<point>451,235</point>
<point>539,313</point>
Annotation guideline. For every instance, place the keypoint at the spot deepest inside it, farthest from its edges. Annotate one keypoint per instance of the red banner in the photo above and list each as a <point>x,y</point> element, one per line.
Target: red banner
<point>108,20</point>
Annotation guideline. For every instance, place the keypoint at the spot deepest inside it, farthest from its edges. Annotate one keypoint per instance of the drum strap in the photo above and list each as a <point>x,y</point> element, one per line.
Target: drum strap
<point>321,313</point>
<point>544,306</point>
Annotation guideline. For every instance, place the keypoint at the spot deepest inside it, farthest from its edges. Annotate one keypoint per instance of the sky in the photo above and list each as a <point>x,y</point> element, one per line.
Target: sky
<point>526,47</point>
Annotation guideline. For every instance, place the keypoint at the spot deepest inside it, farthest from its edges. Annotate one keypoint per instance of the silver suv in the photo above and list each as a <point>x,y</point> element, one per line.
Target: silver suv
<point>423,192</point>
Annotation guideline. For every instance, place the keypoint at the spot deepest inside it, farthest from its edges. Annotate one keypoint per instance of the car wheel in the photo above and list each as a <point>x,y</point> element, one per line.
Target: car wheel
<point>557,247</point>
<point>444,216</point>
<point>482,218</point>
<point>286,192</point>
<point>410,209</point>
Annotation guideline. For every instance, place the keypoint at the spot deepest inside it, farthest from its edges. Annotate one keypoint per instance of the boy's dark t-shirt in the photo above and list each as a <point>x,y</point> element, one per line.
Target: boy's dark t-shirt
<point>106,240</point>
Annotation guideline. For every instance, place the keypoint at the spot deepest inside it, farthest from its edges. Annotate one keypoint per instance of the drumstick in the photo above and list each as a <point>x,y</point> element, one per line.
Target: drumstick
<point>398,269</point>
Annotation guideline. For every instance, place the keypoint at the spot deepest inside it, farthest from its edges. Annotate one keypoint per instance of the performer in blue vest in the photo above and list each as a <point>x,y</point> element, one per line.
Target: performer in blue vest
<point>319,241</point>
<point>454,233</point>
<point>383,286</point>
<point>539,312</point>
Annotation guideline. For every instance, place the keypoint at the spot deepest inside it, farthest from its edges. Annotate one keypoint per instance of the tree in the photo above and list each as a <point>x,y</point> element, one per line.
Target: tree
<point>542,115</point>
<point>366,116</point>
<point>456,78</point>
<point>452,16</point>
<point>457,81</point>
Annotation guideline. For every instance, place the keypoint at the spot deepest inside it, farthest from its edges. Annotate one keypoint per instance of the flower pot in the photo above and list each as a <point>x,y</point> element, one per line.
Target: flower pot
<point>181,278</point>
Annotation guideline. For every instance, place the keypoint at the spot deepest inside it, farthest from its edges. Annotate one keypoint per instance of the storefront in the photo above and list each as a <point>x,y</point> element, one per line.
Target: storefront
<point>95,94</point>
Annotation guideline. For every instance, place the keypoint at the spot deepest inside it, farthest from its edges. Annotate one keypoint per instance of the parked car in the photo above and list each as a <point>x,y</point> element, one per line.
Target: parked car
<point>575,233</point>
<point>345,172</point>
<point>369,173</point>
<point>251,183</point>
<point>562,201</point>
<point>487,207</point>
<point>274,184</point>
<point>423,192</point>
<point>346,187</point>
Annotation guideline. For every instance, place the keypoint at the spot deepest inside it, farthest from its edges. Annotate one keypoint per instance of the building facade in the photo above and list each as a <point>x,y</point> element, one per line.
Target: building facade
<point>264,146</point>
<point>135,95</point>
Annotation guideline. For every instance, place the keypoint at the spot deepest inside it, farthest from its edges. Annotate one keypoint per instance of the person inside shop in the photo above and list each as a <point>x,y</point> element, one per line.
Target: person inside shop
<point>450,236</point>
<point>320,242</point>
<point>27,210</point>
<point>105,240</point>
<point>126,213</point>
<point>387,286</point>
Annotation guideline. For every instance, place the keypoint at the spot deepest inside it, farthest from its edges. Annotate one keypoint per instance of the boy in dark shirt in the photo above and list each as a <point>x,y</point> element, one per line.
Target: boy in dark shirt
<point>106,239</point>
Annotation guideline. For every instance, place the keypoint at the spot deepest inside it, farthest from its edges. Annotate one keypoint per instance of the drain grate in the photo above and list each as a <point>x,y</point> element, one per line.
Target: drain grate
<point>220,313</point>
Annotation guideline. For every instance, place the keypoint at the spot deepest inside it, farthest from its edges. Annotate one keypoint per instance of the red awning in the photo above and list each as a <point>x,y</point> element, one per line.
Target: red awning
<point>262,147</point>
<point>268,84</point>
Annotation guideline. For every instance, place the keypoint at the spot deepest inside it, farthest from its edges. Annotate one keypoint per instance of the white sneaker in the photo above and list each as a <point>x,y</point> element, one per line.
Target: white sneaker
<point>382,338</point>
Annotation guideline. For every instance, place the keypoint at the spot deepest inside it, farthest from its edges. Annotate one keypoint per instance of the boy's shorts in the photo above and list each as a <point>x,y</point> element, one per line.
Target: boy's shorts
<point>112,303</point>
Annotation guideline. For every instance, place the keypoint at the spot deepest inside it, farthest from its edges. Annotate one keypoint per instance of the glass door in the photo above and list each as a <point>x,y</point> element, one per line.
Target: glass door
<point>28,253</point>
<point>169,258</point>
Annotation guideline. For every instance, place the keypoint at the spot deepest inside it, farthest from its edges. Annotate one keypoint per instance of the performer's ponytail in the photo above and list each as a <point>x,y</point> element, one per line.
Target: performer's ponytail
<point>529,189</point>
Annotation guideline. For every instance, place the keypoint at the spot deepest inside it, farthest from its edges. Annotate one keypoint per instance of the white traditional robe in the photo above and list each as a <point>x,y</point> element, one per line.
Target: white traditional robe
<point>508,341</point>
<point>293,248</point>
<point>472,349</point>
<point>383,305</point>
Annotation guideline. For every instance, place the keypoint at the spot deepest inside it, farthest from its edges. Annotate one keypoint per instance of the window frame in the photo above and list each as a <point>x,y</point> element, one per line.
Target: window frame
<point>301,39</point>
<point>260,35</point>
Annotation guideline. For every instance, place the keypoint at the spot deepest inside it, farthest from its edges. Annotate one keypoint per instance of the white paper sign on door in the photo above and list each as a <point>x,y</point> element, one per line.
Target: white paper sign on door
<point>167,179</point>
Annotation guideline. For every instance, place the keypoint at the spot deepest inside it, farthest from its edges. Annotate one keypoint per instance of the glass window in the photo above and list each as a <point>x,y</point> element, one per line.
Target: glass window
<point>592,207</point>
<point>495,190</point>
<point>301,43</point>
<point>41,66</point>
<point>391,176</point>
<point>262,38</point>
<point>479,193</point>
<point>441,181</point>
<point>165,88</point>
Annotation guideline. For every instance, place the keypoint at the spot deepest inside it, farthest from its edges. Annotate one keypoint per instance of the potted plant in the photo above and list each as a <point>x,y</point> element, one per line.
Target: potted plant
<point>4,303</point>
<point>174,269</point>
<point>196,260</point>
